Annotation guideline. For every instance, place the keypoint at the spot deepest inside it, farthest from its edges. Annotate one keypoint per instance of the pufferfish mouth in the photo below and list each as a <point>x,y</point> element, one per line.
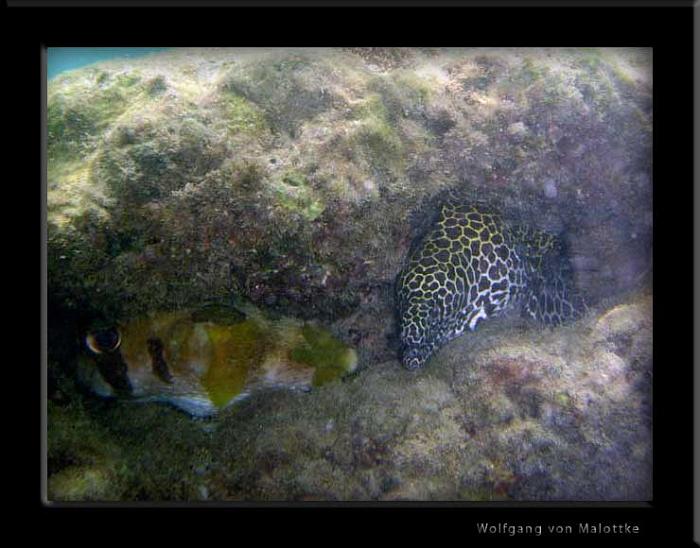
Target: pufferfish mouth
<point>105,340</point>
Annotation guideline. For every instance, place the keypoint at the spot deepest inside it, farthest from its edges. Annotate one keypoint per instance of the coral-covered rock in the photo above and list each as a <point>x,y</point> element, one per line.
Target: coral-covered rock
<point>288,176</point>
<point>297,180</point>
<point>510,412</point>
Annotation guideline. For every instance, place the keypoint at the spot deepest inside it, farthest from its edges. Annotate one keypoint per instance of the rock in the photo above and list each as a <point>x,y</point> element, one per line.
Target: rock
<point>163,194</point>
<point>505,413</point>
<point>550,189</point>
<point>174,153</point>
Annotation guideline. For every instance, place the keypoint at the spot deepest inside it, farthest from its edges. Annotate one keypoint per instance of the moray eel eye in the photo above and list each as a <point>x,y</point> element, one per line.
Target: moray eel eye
<point>105,340</point>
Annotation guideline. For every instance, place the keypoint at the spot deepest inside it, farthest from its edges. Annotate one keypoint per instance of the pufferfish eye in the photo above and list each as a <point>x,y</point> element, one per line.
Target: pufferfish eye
<point>104,340</point>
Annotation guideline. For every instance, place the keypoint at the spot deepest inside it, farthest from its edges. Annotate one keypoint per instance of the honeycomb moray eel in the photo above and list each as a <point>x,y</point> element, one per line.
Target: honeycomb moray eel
<point>203,363</point>
<point>471,266</point>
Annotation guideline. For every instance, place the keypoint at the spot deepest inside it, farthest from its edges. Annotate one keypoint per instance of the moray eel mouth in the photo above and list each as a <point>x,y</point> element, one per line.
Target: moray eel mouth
<point>413,358</point>
<point>471,266</point>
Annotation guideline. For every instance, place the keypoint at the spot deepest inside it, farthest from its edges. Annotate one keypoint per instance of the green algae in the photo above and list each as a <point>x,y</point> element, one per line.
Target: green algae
<point>306,206</point>
<point>82,483</point>
<point>294,178</point>
<point>372,106</point>
<point>78,112</point>
<point>532,71</point>
<point>127,80</point>
<point>282,89</point>
<point>73,195</point>
<point>589,58</point>
<point>298,196</point>
<point>381,141</point>
<point>241,115</point>
<point>376,135</point>
<point>415,91</point>
<point>82,458</point>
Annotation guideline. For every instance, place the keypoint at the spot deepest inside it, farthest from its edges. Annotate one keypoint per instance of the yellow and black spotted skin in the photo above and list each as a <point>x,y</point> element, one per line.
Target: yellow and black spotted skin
<point>471,266</point>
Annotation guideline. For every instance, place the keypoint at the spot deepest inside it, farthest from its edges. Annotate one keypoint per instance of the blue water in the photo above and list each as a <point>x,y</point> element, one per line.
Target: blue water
<point>62,59</point>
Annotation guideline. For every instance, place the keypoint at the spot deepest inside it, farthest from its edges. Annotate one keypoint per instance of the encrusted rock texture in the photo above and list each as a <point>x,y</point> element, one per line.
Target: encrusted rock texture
<point>297,180</point>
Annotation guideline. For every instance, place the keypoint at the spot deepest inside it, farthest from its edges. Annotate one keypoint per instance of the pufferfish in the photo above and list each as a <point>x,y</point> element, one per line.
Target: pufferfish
<point>202,366</point>
<point>471,266</point>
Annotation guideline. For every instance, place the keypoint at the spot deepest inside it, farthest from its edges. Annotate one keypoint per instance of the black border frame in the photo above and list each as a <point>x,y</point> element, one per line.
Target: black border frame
<point>668,30</point>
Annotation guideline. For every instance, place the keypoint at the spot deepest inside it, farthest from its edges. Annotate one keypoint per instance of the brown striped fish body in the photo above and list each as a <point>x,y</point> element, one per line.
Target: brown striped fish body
<point>202,367</point>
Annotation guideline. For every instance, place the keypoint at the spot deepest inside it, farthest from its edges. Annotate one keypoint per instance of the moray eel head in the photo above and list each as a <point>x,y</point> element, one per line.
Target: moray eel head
<point>471,266</point>
<point>415,357</point>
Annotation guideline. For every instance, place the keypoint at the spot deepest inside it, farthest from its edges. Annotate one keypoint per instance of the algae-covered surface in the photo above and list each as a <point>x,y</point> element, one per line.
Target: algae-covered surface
<point>296,180</point>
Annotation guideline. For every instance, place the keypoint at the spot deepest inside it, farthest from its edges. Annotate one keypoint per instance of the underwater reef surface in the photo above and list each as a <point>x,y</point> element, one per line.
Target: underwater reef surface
<point>296,180</point>
<point>513,412</point>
